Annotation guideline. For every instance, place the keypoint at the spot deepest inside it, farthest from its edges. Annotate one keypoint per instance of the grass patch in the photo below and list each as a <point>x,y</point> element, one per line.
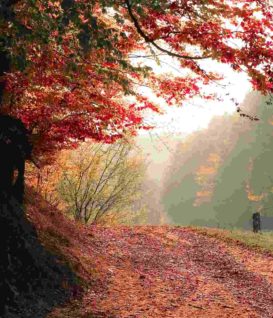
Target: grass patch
<point>258,241</point>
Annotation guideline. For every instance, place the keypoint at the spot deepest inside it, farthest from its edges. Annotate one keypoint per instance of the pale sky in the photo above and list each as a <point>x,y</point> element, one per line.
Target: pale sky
<point>178,122</point>
<point>196,114</point>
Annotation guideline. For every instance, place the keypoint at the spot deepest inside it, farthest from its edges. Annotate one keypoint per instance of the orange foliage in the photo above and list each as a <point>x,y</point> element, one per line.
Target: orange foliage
<point>205,178</point>
<point>254,197</point>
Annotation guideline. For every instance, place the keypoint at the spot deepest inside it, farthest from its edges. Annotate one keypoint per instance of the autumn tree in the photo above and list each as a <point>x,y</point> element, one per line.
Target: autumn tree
<point>67,64</point>
<point>68,68</point>
<point>101,181</point>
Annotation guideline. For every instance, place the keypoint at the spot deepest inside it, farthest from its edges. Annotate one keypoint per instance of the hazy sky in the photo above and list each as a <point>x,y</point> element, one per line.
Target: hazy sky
<point>177,122</point>
<point>196,113</point>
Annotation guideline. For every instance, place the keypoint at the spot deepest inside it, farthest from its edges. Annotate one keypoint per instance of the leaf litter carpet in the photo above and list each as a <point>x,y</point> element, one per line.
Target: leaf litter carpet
<point>154,272</point>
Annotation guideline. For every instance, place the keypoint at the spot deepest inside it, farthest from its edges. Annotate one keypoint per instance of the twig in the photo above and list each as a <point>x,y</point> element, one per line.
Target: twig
<point>196,306</point>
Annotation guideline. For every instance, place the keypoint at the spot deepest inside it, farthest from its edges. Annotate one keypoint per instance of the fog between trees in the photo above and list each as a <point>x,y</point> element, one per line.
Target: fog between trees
<point>214,177</point>
<point>220,175</point>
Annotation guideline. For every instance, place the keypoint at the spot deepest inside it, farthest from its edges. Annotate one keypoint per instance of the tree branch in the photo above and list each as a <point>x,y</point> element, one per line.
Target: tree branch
<point>149,40</point>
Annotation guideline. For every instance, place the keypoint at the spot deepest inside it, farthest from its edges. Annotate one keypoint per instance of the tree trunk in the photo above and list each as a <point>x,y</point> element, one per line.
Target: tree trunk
<point>4,67</point>
<point>15,147</point>
<point>256,222</point>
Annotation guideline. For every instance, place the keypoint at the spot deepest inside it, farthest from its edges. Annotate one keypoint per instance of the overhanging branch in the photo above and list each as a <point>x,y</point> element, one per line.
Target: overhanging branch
<point>152,42</point>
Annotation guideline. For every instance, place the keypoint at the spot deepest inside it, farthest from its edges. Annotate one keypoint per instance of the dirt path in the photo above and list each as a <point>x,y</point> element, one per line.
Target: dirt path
<point>154,272</point>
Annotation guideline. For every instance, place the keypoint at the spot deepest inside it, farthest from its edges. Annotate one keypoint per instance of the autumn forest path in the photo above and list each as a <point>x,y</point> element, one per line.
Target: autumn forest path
<point>175,272</point>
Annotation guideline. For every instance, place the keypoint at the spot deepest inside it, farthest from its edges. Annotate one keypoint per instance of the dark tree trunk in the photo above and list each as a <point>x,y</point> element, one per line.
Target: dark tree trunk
<point>256,217</point>
<point>15,147</point>
<point>4,67</point>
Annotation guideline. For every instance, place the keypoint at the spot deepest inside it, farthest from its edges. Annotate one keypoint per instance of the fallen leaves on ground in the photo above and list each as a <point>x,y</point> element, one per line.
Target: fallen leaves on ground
<point>154,272</point>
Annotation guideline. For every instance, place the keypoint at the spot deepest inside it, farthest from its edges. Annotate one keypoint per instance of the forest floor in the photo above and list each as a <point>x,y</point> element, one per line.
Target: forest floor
<point>164,271</point>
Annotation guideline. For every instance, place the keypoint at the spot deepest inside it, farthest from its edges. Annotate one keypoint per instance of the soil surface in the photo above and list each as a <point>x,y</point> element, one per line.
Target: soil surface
<point>172,272</point>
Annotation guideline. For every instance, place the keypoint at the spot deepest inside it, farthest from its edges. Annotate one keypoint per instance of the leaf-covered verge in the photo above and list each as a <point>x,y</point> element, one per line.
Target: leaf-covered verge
<point>61,236</point>
<point>154,271</point>
<point>74,246</point>
<point>259,242</point>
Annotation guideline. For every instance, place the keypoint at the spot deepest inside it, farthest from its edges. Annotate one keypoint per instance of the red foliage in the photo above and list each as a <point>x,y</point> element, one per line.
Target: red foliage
<point>78,68</point>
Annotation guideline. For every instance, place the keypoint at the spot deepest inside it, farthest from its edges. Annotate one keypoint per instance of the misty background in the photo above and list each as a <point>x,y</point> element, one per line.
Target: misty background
<point>216,176</point>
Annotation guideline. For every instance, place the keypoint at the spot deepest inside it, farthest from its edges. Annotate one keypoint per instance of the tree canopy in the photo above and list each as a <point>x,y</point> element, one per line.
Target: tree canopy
<point>69,65</point>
